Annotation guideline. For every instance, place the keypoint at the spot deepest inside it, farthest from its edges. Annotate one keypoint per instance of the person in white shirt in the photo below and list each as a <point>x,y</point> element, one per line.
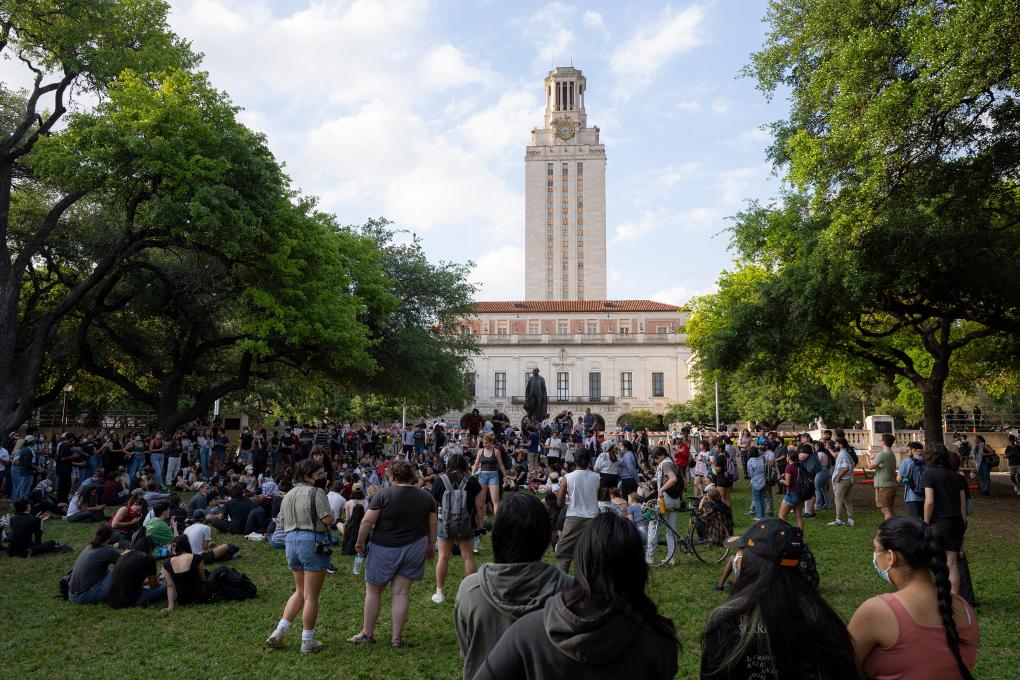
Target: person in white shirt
<point>553,447</point>
<point>668,481</point>
<point>335,499</point>
<point>200,536</point>
<point>579,491</point>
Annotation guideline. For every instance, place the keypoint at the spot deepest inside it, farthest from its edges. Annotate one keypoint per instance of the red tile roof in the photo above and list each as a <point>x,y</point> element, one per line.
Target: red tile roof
<point>517,306</point>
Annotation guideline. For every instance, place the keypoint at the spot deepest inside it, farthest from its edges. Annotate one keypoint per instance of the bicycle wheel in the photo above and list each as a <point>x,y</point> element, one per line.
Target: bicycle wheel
<point>665,542</point>
<point>706,537</point>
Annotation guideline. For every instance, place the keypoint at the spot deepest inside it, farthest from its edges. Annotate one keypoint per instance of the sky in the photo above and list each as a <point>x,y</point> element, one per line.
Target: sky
<point>419,111</point>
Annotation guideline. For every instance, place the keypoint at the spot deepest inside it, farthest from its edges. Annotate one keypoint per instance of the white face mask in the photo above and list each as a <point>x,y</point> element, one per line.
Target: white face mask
<point>884,573</point>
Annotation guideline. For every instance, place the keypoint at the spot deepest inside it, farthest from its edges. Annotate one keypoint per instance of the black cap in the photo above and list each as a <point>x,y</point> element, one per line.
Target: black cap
<point>772,539</point>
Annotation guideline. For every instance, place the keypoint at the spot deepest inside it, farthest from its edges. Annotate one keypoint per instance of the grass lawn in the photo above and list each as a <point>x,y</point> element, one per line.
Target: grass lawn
<point>46,637</point>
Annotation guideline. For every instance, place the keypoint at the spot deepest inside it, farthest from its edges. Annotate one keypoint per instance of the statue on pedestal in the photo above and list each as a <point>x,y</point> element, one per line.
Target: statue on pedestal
<point>536,399</point>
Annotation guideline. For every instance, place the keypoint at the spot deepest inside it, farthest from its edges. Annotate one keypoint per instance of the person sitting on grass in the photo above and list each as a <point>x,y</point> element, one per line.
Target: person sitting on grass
<point>90,577</point>
<point>185,577</point>
<point>604,626</point>
<point>234,516</point>
<point>771,613</point>
<point>135,569</point>
<point>26,532</point>
<point>84,505</point>
<point>200,536</point>
<point>127,519</point>
<point>157,527</point>
<point>516,583</point>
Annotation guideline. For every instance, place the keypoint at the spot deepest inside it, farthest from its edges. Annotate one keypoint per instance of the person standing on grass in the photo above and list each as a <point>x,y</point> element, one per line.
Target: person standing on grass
<point>774,624</point>
<point>909,475</point>
<point>489,468</point>
<point>306,518</point>
<point>1012,454</point>
<point>922,630</point>
<point>462,500</point>
<point>670,494</point>
<point>579,492</point>
<point>755,469</point>
<point>884,465</point>
<point>945,506</point>
<point>604,626</point>
<point>608,465</point>
<point>982,462</point>
<point>792,502</point>
<point>843,483</point>
<point>398,532</point>
<point>516,583</point>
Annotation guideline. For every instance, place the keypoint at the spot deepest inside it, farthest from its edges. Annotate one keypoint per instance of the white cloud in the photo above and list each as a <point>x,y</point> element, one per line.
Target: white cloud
<point>447,66</point>
<point>639,58</point>
<point>665,223</point>
<point>738,184</point>
<point>671,175</point>
<point>720,106</point>
<point>680,295</point>
<point>550,30</point>
<point>500,274</point>
<point>594,21</point>
<point>689,105</point>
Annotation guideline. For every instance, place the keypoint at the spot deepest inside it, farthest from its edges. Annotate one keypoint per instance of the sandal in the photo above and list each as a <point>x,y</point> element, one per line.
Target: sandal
<point>361,639</point>
<point>400,642</point>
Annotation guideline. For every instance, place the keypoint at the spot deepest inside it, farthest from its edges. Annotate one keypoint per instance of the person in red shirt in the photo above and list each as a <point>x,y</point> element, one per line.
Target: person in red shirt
<point>682,454</point>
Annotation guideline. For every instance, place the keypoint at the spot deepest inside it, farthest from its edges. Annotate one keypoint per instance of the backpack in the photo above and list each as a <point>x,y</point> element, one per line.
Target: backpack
<point>914,472</point>
<point>230,584</point>
<point>677,490</point>
<point>456,519</point>
<point>351,529</point>
<point>993,458</point>
<point>731,469</point>
<point>805,483</point>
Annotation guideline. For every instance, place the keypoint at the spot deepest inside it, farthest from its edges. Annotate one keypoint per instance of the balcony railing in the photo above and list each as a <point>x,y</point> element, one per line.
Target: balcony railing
<point>571,399</point>
<point>582,339</point>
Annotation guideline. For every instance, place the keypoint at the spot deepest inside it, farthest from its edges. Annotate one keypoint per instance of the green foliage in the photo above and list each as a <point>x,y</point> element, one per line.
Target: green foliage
<point>641,419</point>
<point>900,142</point>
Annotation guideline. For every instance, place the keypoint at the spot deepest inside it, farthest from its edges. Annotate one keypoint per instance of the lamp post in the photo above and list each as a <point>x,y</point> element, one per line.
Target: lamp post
<point>63,406</point>
<point>717,404</point>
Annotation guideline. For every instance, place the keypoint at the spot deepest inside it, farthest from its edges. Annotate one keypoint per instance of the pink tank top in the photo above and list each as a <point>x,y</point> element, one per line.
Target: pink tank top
<point>921,651</point>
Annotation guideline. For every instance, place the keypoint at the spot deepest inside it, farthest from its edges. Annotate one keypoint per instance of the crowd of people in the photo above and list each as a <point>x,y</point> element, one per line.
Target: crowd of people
<point>399,498</point>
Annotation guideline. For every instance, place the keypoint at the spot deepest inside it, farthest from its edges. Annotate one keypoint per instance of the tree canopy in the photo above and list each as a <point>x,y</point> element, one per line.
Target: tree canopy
<point>892,242</point>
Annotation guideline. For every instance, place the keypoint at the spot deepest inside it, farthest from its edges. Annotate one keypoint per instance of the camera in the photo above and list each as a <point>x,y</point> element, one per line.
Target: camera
<point>322,548</point>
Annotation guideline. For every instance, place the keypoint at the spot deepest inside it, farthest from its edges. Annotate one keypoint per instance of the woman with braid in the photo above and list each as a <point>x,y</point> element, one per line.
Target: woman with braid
<point>922,630</point>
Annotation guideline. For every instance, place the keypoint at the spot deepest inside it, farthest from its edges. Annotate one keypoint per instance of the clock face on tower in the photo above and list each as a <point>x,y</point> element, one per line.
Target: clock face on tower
<point>564,128</point>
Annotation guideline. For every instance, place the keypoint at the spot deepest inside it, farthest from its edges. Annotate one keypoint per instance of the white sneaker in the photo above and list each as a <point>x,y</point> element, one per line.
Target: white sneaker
<point>850,522</point>
<point>836,523</point>
<point>438,597</point>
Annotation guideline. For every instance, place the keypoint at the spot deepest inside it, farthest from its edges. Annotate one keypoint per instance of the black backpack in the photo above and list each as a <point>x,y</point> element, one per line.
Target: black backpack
<point>805,483</point>
<point>230,584</point>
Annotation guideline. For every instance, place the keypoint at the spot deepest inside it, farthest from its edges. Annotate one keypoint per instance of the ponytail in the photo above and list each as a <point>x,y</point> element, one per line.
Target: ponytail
<point>940,570</point>
<point>922,548</point>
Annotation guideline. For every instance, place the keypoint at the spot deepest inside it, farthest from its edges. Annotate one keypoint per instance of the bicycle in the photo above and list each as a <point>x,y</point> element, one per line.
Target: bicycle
<point>705,539</point>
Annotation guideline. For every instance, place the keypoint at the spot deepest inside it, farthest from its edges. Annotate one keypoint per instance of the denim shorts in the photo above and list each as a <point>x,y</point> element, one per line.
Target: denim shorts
<point>792,498</point>
<point>487,478</point>
<point>385,562</point>
<point>300,551</point>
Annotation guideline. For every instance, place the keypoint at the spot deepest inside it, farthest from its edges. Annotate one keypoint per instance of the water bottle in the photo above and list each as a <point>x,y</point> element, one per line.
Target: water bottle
<point>357,564</point>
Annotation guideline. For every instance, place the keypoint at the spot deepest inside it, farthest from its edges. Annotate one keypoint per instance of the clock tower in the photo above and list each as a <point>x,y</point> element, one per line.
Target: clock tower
<point>565,198</point>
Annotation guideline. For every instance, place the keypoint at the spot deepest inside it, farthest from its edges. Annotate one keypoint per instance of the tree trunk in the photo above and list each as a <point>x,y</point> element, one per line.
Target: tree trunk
<point>932,391</point>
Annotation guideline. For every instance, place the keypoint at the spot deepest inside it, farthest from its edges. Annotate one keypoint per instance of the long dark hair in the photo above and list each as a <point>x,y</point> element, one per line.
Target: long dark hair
<point>922,549</point>
<point>786,606</point>
<point>611,573</point>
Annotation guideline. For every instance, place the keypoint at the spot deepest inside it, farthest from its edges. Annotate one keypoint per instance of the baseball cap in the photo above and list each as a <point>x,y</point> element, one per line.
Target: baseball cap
<point>772,539</point>
<point>30,439</point>
<point>198,514</point>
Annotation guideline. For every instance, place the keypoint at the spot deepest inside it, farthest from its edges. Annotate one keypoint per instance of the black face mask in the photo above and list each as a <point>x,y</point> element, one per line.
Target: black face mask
<point>321,483</point>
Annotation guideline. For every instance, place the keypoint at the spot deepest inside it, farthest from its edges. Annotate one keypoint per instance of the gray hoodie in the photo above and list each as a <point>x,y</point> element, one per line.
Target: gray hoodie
<point>489,601</point>
<point>557,643</point>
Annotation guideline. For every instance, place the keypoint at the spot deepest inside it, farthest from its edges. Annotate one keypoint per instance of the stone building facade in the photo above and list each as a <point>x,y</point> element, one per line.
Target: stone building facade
<point>613,356</point>
<point>565,198</point>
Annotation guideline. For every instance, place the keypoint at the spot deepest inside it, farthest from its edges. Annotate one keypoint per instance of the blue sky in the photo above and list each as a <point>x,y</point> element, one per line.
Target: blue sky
<point>420,111</point>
